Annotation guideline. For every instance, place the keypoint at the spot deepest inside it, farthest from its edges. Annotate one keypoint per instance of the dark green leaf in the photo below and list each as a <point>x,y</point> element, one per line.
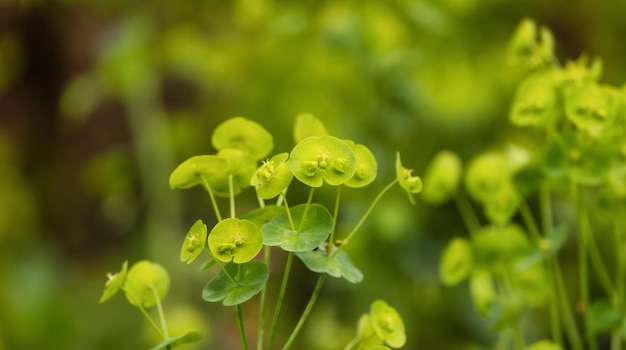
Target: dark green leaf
<point>249,278</point>
<point>308,232</point>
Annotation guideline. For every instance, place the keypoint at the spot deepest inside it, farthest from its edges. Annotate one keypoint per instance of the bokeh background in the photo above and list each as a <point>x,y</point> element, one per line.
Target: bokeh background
<point>100,100</point>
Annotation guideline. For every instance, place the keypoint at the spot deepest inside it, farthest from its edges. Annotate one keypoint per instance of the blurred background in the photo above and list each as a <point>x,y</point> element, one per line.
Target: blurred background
<point>100,100</point>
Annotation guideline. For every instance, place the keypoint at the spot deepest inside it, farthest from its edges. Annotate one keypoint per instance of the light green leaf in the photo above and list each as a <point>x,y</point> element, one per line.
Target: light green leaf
<point>114,283</point>
<point>309,232</point>
<point>544,345</point>
<point>319,159</point>
<point>189,173</point>
<point>388,324</point>
<point>456,262</point>
<point>409,183</point>
<point>272,177</point>
<point>366,166</point>
<point>245,135</point>
<point>442,177</point>
<point>336,265</point>
<point>195,241</point>
<point>187,338</point>
<point>239,240</point>
<point>143,280</point>
<point>307,125</point>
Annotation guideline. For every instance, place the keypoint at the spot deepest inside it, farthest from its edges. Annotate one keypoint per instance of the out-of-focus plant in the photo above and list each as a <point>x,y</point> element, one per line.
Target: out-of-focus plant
<point>306,231</point>
<point>514,266</point>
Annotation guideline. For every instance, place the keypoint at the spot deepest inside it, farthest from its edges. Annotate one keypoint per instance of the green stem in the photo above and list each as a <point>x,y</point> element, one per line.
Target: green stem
<point>279,302</point>
<point>598,265</point>
<point>230,278</point>
<point>366,215</point>
<point>530,222</point>
<point>242,332</point>
<point>568,318</point>
<point>284,197</point>
<point>331,238</point>
<point>306,312</point>
<point>583,248</point>
<point>160,310</point>
<point>616,335</point>
<point>231,195</point>
<point>261,322</point>
<point>145,314</point>
<point>306,208</point>
<point>467,213</point>
<point>218,215</point>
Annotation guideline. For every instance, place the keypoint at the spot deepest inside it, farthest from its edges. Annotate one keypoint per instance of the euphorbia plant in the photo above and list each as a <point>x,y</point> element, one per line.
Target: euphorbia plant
<point>511,259</point>
<point>303,230</point>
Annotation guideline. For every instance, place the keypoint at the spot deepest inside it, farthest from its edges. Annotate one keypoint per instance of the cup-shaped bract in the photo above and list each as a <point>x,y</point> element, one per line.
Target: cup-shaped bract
<point>307,125</point>
<point>366,166</point>
<point>146,283</point>
<point>442,177</point>
<point>245,135</point>
<point>114,283</point>
<point>191,172</point>
<point>388,324</point>
<point>456,262</point>
<point>195,241</point>
<point>500,246</point>
<point>409,183</point>
<point>483,291</point>
<point>239,240</point>
<point>590,107</point>
<point>486,175</point>
<point>500,208</point>
<point>536,101</point>
<point>318,159</point>
<point>240,165</point>
<point>523,42</point>
<point>272,177</point>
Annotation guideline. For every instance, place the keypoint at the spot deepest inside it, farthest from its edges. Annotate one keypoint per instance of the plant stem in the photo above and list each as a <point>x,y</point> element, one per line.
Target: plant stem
<point>279,302</point>
<point>306,208</point>
<point>231,192</point>
<point>335,214</point>
<point>145,314</point>
<point>160,310</point>
<point>306,312</point>
<point>366,215</point>
<point>261,322</point>
<point>218,215</point>
<point>530,222</point>
<point>467,213</point>
<point>242,332</point>
<point>568,318</point>
<point>616,335</point>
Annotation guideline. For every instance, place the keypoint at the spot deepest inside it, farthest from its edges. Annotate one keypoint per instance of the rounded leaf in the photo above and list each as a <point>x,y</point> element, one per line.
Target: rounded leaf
<point>189,173</point>
<point>409,183</point>
<point>319,159</point>
<point>500,208</point>
<point>336,265</point>
<point>146,283</point>
<point>536,101</point>
<point>308,232</point>
<point>486,175</point>
<point>272,177</point>
<point>247,280</point>
<point>388,324</point>
<point>245,135</point>
<point>442,177</point>
<point>114,283</point>
<point>456,262</point>
<point>239,240</point>
<point>590,107</point>
<point>195,241</point>
<point>239,165</point>
<point>366,167</point>
<point>482,290</point>
<point>307,125</point>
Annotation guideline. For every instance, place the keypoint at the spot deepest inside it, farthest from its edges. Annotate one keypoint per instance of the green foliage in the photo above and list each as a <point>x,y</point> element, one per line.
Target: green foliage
<point>146,284</point>
<point>236,283</point>
<point>303,229</point>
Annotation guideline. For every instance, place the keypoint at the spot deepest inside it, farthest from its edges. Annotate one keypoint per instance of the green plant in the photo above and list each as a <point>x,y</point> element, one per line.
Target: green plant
<point>511,259</point>
<point>306,230</point>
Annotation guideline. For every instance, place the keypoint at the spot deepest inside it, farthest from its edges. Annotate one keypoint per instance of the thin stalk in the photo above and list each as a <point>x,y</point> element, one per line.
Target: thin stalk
<point>151,321</point>
<point>284,197</point>
<point>160,310</point>
<point>218,215</point>
<point>530,222</point>
<point>598,265</point>
<point>583,247</point>
<point>279,302</point>
<point>616,335</point>
<point>306,312</point>
<point>335,214</point>
<point>262,302</point>
<point>545,206</point>
<point>366,215</point>
<point>306,208</point>
<point>231,192</point>
<point>568,318</point>
<point>242,331</point>
<point>467,213</point>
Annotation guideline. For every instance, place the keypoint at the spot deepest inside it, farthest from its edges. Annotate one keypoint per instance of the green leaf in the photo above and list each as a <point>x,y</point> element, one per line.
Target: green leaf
<point>456,262</point>
<point>245,135</point>
<point>500,246</point>
<point>143,279</point>
<point>388,324</point>
<point>189,173</point>
<point>500,208</point>
<point>604,316</point>
<point>249,278</point>
<point>409,183</point>
<point>544,345</point>
<point>319,159</point>
<point>505,312</point>
<point>366,333</point>
<point>272,177</point>
<point>187,338</point>
<point>536,101</point>
<point>366,166</point>
<point>307,125</point>
<point>336,264</point>
<point>195,241</point>
<point>486,175</point>
<point>306,234</point>
<point>442,177</point>
<point>239,240</point>
<point>239,165</point>
<point>114,283</point>
<point>482,290</point>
